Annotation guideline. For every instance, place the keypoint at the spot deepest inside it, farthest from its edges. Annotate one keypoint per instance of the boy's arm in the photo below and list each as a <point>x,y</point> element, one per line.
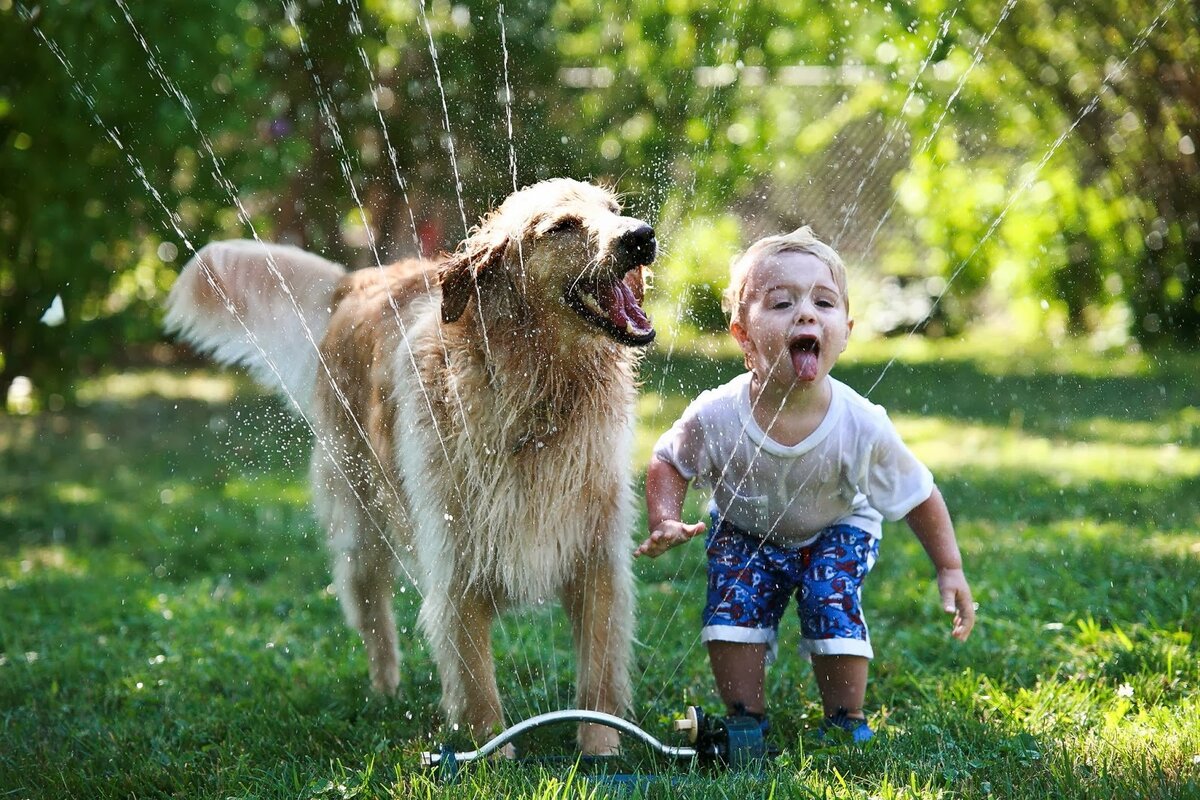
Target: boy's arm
<point>665,490</point>
<point>930,521</point>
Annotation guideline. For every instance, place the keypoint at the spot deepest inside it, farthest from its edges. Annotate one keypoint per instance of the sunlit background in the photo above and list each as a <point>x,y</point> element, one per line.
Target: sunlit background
<point>1013,183</point>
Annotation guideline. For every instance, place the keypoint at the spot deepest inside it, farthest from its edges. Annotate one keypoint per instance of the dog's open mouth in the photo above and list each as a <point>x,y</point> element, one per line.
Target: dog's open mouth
<point>607,302</point>
<point>806,355</point>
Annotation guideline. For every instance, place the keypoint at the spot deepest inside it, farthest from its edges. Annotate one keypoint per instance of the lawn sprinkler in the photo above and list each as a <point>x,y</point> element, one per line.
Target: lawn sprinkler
<point>733,742</point>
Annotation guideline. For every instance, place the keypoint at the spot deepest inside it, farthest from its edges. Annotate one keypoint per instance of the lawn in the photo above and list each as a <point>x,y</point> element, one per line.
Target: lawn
<point>166,626</point>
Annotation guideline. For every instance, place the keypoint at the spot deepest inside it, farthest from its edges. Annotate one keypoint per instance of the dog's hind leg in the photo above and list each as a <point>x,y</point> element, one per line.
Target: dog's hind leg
<point>364,569</point>
<point>458,625</point>
<point>599,601</point>
<point>365,584</point>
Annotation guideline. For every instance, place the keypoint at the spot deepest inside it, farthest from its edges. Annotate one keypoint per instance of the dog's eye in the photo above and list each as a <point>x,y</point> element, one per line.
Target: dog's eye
<point>564,224</point>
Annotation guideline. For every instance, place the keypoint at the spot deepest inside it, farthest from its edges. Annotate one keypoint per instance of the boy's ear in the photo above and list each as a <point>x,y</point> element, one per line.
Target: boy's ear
<point>739,333</point>
<point>745,342</point>
<point>849,330</point>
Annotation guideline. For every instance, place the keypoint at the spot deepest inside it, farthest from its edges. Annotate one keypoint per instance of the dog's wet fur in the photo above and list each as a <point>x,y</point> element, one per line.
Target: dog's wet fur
<point>474,412</point>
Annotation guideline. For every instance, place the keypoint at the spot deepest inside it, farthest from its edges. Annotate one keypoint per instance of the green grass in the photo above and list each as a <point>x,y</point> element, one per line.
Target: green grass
<point>166,627</point>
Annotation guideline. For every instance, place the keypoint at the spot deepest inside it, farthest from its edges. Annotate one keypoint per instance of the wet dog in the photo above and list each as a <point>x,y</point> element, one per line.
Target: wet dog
<point>474,411</point>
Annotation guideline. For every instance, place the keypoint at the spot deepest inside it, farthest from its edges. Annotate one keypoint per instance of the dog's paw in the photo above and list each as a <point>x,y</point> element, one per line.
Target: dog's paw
<point>385,680</point>
<point>598,740</point>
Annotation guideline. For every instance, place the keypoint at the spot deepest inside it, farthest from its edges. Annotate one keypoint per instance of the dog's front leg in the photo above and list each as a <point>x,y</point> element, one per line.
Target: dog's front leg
<point>458,625</point>
<point>599,601</point>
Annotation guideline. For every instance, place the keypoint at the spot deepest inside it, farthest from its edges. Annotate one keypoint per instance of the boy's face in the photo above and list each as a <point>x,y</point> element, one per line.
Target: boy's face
<point>795,323</point>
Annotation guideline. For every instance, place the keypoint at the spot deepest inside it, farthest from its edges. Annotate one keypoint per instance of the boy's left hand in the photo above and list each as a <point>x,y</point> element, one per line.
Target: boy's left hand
<point>956,600</point>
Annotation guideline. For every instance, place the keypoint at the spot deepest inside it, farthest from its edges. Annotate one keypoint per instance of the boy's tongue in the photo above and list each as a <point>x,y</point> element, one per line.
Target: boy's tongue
<point>804,361</point>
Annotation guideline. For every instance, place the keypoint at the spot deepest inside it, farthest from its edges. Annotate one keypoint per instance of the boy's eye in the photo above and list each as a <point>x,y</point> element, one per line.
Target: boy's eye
<point>781,304</point>
<point>825,303</point>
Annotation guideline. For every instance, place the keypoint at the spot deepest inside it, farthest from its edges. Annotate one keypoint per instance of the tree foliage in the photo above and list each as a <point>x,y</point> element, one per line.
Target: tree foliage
<point>1125,84</point>
<point>1034,156</point>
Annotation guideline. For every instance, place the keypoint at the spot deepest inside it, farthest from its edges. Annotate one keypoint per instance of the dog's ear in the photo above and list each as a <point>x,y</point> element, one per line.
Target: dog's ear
<point>459,276</point>
<point>456,288</point>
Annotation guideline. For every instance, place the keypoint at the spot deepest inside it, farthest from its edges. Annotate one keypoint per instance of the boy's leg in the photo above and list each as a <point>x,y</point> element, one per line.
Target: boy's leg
<point>830,608</point>
<point>842,682</point>
<point>739,670</point>
<point>741,616</point>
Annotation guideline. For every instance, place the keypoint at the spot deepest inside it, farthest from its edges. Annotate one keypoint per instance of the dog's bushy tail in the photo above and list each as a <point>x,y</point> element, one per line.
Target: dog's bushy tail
<point>261,306</point>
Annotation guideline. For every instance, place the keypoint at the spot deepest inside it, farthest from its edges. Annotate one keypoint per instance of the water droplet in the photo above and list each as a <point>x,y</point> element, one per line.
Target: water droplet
<point>55,315</point>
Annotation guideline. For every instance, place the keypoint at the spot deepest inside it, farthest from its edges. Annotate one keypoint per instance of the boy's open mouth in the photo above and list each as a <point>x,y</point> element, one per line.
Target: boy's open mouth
<point>805,352</point>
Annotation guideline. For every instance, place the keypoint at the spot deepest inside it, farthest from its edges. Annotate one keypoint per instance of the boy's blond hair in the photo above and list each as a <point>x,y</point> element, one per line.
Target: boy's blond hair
<point>801,240</point>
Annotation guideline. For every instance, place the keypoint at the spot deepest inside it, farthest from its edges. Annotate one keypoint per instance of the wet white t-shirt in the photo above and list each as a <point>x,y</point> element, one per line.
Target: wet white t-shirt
<point>853,469</point>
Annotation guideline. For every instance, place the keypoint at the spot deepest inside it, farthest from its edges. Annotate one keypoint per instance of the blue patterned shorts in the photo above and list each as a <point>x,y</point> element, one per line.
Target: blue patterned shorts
<point>750,582</point>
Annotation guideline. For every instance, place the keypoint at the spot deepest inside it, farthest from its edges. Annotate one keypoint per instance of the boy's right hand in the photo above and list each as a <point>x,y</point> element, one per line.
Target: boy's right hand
<point>668,534</point>
<point>956,600</point>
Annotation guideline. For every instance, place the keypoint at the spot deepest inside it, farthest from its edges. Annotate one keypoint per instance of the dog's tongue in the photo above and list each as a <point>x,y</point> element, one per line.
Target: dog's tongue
<point>622,307</point>
<point>804,361</point>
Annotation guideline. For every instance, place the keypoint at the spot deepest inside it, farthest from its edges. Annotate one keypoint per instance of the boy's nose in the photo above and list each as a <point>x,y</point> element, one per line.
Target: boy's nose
<point>806,309</point>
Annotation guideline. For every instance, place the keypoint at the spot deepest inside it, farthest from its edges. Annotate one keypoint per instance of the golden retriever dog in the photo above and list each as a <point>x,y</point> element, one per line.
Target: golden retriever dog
<point>475,412</point>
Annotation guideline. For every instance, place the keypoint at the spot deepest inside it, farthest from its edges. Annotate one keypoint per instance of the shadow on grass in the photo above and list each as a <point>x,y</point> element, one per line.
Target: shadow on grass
<point>1016,497</point>
<point>1049,403</point>
<point>155,479</point>
<point>1034,585</point>
<point>182,531</point>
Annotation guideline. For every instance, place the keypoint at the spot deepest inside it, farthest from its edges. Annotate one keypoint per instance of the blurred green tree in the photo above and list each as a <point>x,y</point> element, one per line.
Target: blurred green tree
<point>105,176</point>
<point>1026,155</point>
<point>1126,75</point>
<point>1066,173</point>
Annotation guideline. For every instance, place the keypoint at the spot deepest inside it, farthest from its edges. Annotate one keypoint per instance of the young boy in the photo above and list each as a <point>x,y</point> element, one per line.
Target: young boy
<point>802,471</point>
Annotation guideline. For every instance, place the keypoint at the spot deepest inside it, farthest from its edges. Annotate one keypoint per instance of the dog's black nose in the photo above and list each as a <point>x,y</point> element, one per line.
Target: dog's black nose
<point>639,244</point>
